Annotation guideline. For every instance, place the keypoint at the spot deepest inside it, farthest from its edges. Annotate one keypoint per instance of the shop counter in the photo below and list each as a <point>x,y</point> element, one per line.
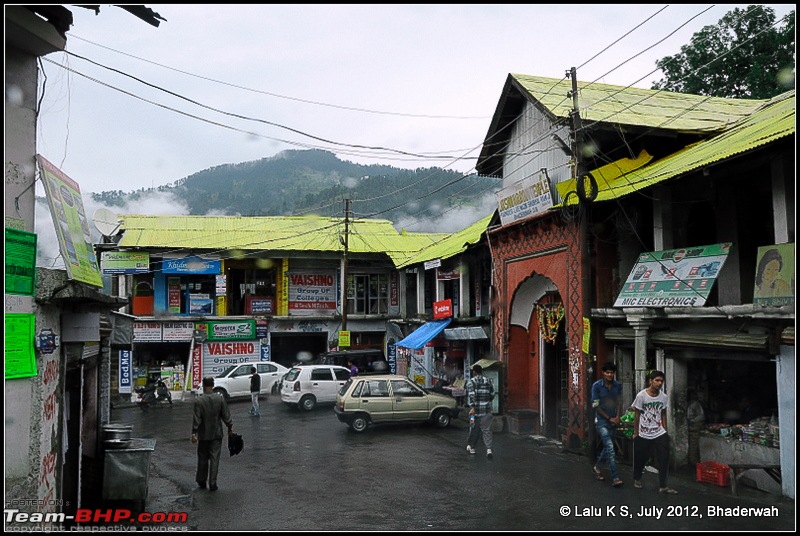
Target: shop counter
<point>746,457</point>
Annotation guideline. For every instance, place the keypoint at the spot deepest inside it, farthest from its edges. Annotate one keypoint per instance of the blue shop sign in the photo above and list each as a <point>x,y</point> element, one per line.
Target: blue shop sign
<point>191,265</point>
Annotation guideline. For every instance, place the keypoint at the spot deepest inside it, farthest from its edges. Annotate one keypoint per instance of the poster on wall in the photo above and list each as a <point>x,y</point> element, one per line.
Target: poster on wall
<point>20,358</point>
<point>20,251</point>
<point>774,282</point>
<point>674,278</point>
<point>72,228</point>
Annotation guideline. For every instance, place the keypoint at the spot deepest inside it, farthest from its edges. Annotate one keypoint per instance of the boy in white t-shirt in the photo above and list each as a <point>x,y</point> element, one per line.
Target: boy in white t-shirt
<point>650,431</point>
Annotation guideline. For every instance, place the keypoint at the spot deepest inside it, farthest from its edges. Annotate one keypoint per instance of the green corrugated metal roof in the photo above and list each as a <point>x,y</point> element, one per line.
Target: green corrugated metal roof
<point>272,233</point>
<point>451,245</point>
<point>775,119</point>
<point>636,106</point>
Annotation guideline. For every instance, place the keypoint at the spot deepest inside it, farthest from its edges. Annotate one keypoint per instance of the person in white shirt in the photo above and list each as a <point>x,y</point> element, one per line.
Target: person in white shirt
<point>650,431</point>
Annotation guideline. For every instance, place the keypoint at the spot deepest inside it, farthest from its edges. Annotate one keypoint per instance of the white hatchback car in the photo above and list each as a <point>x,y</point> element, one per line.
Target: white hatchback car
<point>305,386</point>
<point>234,381</point>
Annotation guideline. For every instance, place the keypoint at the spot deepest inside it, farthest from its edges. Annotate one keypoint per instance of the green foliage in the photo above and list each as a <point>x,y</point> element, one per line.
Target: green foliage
<point>746,55</point>
<point>316,182</point>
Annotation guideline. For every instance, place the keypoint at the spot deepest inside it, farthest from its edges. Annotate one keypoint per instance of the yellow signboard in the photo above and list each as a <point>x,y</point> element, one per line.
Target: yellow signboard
<point>587,333</point>
<point>344,338</point>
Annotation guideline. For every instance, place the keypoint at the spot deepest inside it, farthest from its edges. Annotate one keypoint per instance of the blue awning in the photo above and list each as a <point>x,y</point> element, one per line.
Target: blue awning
<point>423,334</point>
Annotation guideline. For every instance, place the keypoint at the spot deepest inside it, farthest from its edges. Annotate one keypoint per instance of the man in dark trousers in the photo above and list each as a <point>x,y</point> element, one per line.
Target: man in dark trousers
<point>480,393</point>
<point>210,411</point>
<point>255,390</point>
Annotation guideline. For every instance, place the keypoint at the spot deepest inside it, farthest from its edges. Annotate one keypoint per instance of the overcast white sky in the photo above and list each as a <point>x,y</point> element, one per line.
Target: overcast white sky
<point>414,78</point>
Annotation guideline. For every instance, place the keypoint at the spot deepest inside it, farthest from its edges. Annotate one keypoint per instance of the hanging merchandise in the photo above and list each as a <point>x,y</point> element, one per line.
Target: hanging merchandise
<point>549,316</point>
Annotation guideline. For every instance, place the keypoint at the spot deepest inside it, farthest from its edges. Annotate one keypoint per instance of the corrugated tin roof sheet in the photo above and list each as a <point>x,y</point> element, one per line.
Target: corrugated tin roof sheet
<point>451,245</point>
<point>637,106</point>
<point>271,233</point>
<point>775,119</point>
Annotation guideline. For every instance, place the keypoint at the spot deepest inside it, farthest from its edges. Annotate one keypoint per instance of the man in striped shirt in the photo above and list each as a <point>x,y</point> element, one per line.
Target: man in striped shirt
<point>480,393</point>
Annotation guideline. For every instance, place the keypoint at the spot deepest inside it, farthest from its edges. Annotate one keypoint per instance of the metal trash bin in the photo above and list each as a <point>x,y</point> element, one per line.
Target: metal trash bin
<point>127,469</point>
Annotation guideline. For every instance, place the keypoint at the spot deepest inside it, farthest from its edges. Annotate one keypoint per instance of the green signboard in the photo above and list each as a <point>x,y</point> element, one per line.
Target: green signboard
<point>72,228</point>
<point>233,330</point>
<point>674,278</point>
<point>20,252</point>
<point>19,345</point>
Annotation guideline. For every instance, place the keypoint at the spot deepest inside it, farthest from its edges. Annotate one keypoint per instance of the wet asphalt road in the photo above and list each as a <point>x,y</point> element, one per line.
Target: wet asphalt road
<point>306,471</point>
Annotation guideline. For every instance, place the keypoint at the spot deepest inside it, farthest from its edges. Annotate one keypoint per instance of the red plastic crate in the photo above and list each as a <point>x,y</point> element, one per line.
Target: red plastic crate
<point>714,473</point>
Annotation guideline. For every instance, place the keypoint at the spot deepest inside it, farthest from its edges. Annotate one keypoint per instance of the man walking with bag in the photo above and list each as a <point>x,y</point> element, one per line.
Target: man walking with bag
<point>480,393</point>
<point>210,411</point>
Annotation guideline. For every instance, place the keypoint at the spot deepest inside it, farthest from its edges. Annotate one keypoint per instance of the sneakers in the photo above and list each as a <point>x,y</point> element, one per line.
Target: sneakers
<point>470,450</point>
<point>637,484</point>
<point>489,454</point>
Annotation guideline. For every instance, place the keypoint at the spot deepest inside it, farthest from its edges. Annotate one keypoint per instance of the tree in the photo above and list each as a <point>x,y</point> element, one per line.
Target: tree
<point>748,54</point>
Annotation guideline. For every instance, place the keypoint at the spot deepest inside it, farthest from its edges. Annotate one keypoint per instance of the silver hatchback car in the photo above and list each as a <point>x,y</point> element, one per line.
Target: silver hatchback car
<point>305,386</point>
<point>384,398</point>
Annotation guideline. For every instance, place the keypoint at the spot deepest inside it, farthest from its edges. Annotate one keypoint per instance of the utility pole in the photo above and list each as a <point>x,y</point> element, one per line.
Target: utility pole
<point>579,169</point>
<point>580,181</point>
<point>345,241</point>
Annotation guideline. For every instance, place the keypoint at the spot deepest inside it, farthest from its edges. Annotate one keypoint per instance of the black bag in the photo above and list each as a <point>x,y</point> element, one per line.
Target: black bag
<point>235,443</point>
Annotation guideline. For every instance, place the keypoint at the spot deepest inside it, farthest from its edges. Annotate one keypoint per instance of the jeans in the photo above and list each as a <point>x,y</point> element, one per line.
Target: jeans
<point>606,434</point>
<point>255,410</point>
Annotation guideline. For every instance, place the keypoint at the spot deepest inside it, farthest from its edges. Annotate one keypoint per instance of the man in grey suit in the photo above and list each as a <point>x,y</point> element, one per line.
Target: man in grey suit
<point>210,411</point>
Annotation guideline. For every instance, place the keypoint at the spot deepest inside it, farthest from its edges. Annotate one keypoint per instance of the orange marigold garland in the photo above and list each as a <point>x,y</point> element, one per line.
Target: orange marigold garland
<point>549,317</point>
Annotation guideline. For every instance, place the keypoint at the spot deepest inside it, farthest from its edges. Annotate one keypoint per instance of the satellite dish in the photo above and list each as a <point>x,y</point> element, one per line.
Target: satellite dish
<point>105,221</point>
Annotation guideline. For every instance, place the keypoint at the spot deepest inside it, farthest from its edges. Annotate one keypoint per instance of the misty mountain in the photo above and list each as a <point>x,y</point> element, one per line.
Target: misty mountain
<point>315,181</point>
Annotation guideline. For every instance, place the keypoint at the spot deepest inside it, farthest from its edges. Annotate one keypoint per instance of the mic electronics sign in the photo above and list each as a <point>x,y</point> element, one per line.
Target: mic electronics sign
<point>674,278</point>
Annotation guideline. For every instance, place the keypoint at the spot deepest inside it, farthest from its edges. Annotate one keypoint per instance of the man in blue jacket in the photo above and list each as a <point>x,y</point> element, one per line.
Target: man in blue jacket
<point>606,400</point>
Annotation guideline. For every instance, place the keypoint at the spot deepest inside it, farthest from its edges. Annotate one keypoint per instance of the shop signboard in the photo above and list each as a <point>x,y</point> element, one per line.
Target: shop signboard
<point>177,331</point>
<point>674,278</point>
<point>312,293</point>
<point>191,264</point>
<point>442,309</point>
<point>217,356</point>
<point>231,330</point>
<point>774,282</point>
<point>125,371</point>
<point>125,262</point>
<point>525,198</point>
<point>72,228</point>
<point>147,332</point>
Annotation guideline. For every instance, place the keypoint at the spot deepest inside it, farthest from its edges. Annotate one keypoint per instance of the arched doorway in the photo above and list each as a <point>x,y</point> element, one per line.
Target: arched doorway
<point>537,364</point>
<point>554,365</point>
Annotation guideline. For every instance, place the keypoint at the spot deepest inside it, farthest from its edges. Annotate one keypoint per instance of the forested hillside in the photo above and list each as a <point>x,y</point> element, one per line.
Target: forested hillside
<point>315,181</point>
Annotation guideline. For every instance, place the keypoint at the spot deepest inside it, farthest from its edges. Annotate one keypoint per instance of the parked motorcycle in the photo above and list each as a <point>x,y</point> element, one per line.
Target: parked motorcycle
<point>154,394</point>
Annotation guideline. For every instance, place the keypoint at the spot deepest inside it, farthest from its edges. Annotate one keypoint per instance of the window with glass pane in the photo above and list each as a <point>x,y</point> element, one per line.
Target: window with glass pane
<point>368,294</point>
